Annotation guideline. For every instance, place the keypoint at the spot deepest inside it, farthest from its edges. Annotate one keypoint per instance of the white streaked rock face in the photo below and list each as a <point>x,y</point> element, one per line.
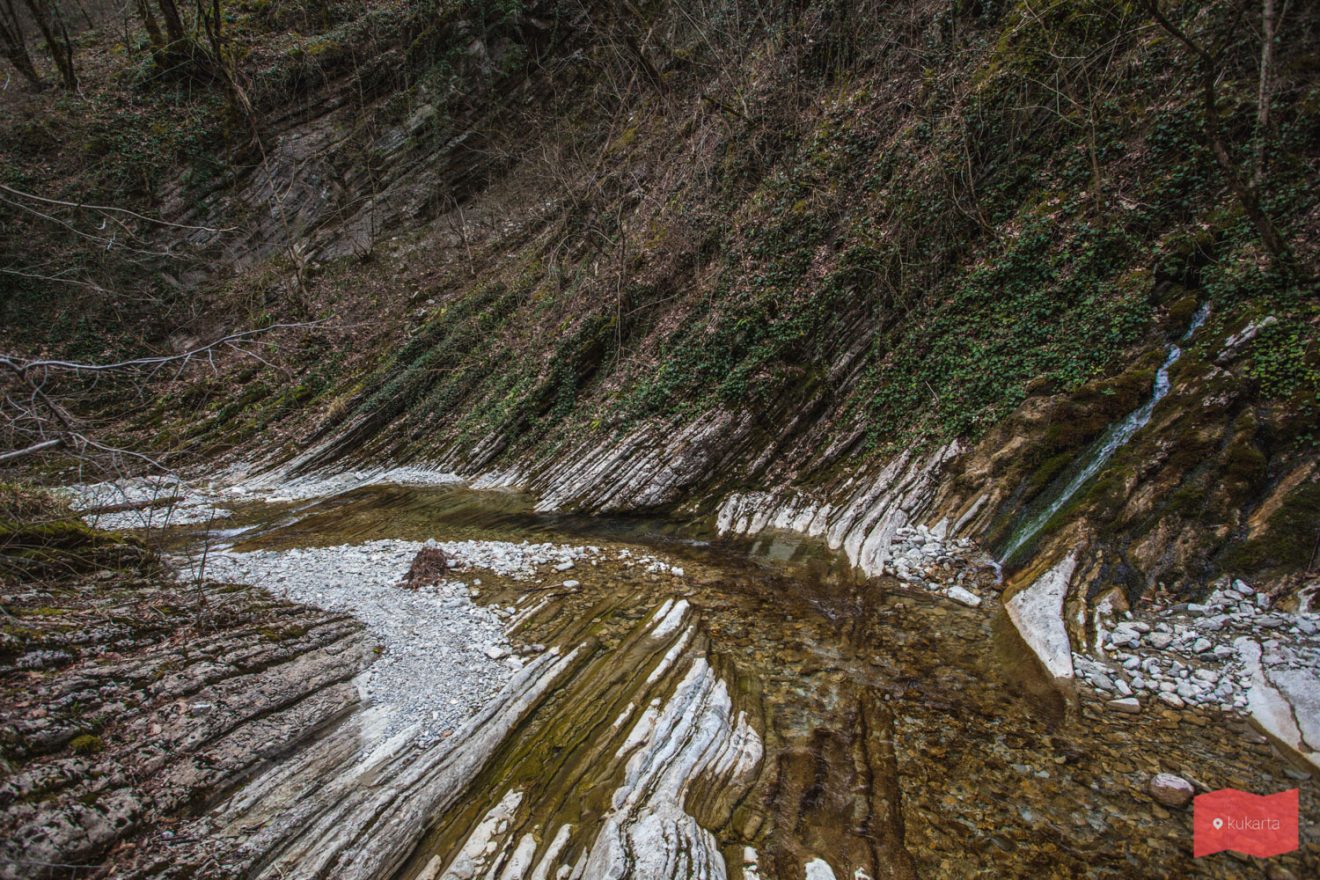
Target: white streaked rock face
<point>819,869</point>
<point>1037,612</point>
<point>669,617</point>
<point>1283,697</point>
<point>647,834</point>
<point>472,860</point>
<point>326,812</point>
<point>688,730</point>
<point>644,469</point>
<point>546,868</point>
<point>285,483</point>
<point>863,524</point>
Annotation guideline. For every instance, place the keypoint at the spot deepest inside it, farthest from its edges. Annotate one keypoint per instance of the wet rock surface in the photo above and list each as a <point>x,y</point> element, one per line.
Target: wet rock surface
<point>683,707</point>
<point>833,675</point>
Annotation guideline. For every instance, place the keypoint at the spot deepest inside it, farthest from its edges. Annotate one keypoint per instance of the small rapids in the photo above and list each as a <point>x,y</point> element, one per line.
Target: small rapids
<point>1103,449</point>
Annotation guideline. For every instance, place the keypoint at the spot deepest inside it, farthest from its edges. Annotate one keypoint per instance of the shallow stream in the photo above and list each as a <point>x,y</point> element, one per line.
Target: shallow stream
<point>817,722</point>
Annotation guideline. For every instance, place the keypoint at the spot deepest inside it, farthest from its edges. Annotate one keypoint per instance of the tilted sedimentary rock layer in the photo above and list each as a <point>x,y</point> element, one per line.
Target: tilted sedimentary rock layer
<point>648,833</point>
<point>1284,698</point>
<point>144,701</point>
<point>1037,611</point>
<point>656,754</point>
<point>644,469</point>
<point>352,805</point>
<point>865,520</point>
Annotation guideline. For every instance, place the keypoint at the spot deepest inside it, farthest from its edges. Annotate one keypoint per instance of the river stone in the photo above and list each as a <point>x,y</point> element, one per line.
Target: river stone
<point>1170,790</point>
<point>1102,681</point>
<point>819,869</point>
<point>1128,705</point>
<point>1037,612</point>
<point>1124,634</point>
<point>963,597</point>
<point>1159,640</point>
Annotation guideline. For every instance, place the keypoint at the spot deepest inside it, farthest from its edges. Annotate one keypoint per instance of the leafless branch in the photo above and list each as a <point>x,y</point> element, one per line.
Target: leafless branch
<point>75,367</point>
<point>43,446</point>
<point>35,419</point>
<point>111,208</point>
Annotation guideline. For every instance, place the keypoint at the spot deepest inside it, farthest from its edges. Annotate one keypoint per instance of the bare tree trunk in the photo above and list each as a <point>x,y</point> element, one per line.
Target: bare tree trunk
<point>173,22</point>
<point>14,45</point>
<point>43,446</point>
<point>87,16</point>
<point>1246,194</point>
<point>211,21</point>
<point>152,26</point>
<point>50,21</point>
<point>1265,94</point>
<point>1243,190</point>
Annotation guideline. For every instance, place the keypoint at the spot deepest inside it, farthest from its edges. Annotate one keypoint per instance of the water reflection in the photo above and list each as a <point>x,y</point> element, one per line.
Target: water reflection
<point>904,736</point>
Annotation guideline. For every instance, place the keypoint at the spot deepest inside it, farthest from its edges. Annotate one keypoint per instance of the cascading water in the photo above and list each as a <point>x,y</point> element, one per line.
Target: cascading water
<point>1116,436</point>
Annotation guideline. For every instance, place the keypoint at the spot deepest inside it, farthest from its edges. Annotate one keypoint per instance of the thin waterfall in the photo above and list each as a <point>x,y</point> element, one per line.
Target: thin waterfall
<point>1099,453</point>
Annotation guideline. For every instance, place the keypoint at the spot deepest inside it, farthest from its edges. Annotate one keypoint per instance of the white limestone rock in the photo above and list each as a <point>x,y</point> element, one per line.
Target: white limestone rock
<point>963,596</point>
<point>1037,612</point>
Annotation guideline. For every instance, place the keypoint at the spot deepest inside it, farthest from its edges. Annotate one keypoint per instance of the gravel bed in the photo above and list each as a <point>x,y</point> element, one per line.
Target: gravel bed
<point>195,506</point>
<point>275,486</point>
<point>441,655</point>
